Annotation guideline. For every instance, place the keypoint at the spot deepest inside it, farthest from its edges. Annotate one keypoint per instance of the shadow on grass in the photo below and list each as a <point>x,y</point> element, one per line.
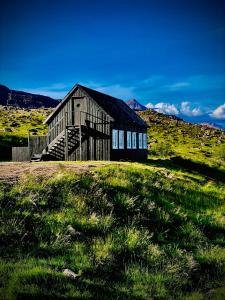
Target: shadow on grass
<point>178,162</point>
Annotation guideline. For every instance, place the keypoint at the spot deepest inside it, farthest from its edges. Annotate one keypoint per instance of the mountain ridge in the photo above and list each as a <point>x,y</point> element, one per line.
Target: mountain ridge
<point>135,105</point>
<point>23,99</point>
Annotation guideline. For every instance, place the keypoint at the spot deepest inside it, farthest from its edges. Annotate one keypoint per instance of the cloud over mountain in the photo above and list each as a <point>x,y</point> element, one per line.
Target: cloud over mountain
<point>165,108</point>
<point>219,112</point>
<point>186,110</point>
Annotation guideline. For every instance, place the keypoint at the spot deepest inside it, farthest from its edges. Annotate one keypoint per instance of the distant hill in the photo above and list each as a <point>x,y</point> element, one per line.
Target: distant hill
<point>24,100</point>
<point>135,105</point>
<point>192,141</point>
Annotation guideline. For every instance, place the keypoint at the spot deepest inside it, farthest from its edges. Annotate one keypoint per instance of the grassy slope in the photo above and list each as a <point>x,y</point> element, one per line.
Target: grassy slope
<point>19,121</point>
<point>131,232</point>
<point>191,141</point>
<point>138,231</point>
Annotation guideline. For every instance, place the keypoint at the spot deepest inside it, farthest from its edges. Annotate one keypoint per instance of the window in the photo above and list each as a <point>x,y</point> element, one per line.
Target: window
<point>115,139</point>
<point>145,142</point>
<point>134,140</point>
<point>121,139</point>
<point>129,140</point>
<point>140,140</point>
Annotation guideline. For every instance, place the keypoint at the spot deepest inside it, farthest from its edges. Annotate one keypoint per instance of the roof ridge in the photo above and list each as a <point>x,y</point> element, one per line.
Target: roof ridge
<point>115,107</point>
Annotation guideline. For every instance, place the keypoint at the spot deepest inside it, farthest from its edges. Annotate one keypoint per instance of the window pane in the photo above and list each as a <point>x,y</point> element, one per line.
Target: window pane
<point>121,139</point>
<point>128,139</point>
<point>115,139</point>
<point>145,144</point>
<point>140,140</point>
<point>134,140</point>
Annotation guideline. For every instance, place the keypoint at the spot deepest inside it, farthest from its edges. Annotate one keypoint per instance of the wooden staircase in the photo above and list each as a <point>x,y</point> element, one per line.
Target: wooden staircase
<point>56,149</point>
<point>69,133</point>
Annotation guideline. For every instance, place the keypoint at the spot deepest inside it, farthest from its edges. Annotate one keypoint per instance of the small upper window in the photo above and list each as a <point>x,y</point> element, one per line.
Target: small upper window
<point>121,139</point>
<point>134,140</point>
<point>129,140</point>
<point>78,104</point>
<point>140,140</point>
<point>115,139</point>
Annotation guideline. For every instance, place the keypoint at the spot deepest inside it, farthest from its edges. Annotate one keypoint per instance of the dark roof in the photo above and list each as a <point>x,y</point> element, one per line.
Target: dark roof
<point>116,108</point>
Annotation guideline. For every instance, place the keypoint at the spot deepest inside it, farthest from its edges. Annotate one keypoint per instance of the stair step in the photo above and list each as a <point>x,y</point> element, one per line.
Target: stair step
<point>36,157</point>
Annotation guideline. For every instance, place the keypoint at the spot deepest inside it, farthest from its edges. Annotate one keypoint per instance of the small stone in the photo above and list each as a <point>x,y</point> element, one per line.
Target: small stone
<point>73,231</point>
<point>70,274</point>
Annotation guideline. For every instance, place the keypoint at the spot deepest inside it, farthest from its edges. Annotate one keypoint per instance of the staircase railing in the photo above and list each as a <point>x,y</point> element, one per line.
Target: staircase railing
<point>55,130</point>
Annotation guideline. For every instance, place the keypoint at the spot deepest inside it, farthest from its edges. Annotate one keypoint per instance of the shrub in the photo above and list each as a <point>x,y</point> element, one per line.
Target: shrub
<point>221,153</point>
<point>162,150</point>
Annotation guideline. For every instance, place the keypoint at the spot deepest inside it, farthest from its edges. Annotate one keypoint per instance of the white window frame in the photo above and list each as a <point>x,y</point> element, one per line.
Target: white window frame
<point>140,140</point>
<point>115,139</point>
<point>129,140</point>
<point>121,139</point>
<point>145,141</point>
<point>134,140</point>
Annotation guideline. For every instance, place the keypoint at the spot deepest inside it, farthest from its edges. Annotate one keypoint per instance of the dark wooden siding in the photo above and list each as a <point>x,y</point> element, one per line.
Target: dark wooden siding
<point>20,154</point>
<point>95,144</point>
<point>128,154</point>
<point>82,110</point>
<point>36,144</point>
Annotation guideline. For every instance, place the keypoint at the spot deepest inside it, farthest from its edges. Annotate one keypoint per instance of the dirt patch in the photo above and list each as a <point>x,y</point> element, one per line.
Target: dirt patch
<point>11,172</point>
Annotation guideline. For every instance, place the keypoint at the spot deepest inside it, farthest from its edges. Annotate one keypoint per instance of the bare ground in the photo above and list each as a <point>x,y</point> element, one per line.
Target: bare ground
<point>11,171</point>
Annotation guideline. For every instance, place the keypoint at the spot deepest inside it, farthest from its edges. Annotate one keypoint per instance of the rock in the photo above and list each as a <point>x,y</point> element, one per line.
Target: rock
<point>8,130</point>
<point>73,231</point>
<point>15,124</point>
<point>70,274</point>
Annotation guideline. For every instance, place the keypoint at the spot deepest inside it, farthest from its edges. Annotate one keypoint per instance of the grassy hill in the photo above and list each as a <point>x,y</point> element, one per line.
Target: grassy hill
<point>153,230</point>
<point>170,136</point>
<point>14,126</point>
<point>126,231</point>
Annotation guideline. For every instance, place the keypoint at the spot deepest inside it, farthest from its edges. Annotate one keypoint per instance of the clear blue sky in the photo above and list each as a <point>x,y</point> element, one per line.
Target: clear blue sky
<point>155,51</point>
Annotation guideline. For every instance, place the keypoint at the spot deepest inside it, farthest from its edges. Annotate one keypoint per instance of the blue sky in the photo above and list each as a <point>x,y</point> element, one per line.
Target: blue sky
<point>166,53</point>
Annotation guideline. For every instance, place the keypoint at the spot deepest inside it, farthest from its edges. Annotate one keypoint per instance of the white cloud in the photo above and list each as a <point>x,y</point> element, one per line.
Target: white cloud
<point>186,109</point>
<point>167,108</point>
<point>177,86</point>
<point>219,112</point>
<point>164,108</point>
<point>150,105</point>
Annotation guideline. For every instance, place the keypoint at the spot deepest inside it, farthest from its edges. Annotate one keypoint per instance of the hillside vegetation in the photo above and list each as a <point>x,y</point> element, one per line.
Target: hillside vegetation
<point>153,230</point>
<point>168,135</point>
<point>171,136</point>
<point>125,231</point>
<point>15,123</point>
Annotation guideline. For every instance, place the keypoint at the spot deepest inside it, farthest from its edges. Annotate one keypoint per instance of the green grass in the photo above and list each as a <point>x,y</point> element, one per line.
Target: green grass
<point>129,231</point>
<point>168,137</point>
<point>14,126</point>
<point>20,120</point>
<point>153,230</point>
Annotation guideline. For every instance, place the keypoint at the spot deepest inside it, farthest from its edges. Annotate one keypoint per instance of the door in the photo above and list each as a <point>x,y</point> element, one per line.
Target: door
<point>79,108</point>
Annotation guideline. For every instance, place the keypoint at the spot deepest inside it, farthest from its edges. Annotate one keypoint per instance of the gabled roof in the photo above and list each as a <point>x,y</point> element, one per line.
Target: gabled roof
<point>116,108</point>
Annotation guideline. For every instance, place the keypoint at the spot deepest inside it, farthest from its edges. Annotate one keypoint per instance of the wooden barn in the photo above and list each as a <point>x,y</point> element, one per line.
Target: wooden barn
<point>89,125</point>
